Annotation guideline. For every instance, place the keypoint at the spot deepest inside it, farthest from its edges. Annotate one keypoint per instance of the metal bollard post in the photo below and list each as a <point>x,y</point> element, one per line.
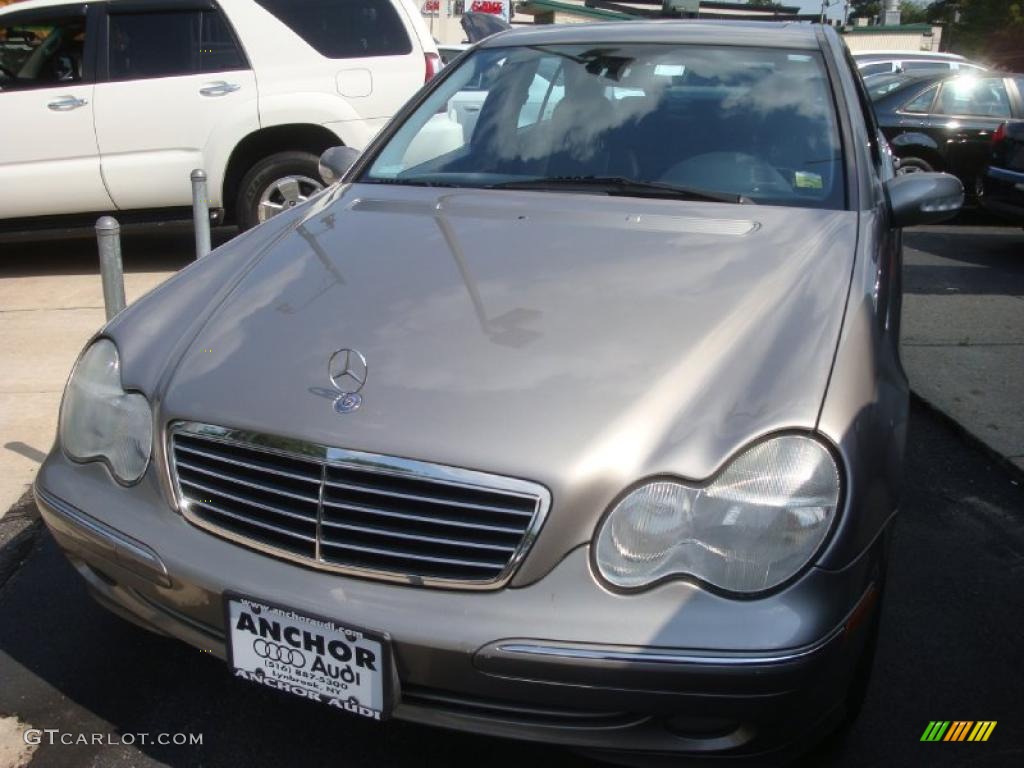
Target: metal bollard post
<point>108,238</point>
<point>200,212</point>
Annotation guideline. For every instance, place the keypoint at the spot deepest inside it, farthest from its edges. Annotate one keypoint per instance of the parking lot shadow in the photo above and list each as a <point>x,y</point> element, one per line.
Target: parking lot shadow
<point>964,260</point>
<point>144,248</point>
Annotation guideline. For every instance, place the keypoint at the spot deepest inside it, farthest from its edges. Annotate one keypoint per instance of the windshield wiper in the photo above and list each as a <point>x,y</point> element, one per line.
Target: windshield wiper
<point>413,182</point>
<point>620,185</point>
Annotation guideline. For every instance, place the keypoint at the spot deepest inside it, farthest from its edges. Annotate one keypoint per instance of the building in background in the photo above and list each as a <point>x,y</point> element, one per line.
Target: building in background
<point>893,37</point>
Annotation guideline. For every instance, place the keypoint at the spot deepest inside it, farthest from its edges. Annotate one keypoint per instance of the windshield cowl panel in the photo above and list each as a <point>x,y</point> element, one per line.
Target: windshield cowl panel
<point>696,122</point>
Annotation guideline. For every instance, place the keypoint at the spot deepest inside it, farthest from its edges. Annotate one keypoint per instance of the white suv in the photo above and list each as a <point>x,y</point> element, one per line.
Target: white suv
<point>107,106</point>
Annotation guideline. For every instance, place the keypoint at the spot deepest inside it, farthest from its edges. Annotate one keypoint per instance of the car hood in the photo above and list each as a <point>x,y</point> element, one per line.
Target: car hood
<point>576,340</point>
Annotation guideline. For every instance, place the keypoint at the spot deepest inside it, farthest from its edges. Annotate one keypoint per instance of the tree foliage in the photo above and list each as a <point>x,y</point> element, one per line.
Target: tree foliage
<point>988,30</point>
<point>866,8</point>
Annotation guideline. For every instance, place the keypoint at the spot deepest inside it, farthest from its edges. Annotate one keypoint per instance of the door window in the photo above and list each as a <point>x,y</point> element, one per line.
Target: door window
<point>544,94</point>
<point>42,54</point>
<point>344,29</point>
<point>974,96</point>
<point>921,103</point>
<point>147,45</point>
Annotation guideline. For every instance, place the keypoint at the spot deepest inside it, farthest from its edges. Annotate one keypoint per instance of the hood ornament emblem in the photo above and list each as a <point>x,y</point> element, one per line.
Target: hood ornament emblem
<point>347,372</point>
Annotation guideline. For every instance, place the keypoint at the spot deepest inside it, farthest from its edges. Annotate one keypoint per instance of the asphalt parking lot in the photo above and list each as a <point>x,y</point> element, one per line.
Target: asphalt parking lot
<point>950,645</point>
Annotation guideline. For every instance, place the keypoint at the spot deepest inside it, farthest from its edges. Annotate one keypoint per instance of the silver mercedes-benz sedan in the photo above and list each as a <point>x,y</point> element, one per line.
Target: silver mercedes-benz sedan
<point>584,425</point>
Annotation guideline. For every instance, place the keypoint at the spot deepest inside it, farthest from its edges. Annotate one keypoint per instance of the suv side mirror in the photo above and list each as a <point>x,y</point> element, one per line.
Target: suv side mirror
<point>334,162</point>
<point>923,198</point>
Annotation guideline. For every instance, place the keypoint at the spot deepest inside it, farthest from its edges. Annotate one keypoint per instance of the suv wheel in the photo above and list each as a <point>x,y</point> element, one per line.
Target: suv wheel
<point>275,184</point>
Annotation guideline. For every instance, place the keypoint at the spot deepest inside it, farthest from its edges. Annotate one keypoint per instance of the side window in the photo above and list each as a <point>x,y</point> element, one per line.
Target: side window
<point>545,92</point>
<point>979,97</point>
<point>870,123</point>
<point>920,103</point>
<point>344,29</point>
<point>218,48</point>
<point>875,69</point>
<point>169,44</point>
<point>42,54</point>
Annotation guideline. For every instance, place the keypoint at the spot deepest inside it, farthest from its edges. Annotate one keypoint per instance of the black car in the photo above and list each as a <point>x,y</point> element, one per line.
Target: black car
<point>1002,190</point>
<point>946,123</point>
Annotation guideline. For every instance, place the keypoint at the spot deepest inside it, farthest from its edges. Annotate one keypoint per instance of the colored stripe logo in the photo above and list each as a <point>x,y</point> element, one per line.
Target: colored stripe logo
<point>958,730</point>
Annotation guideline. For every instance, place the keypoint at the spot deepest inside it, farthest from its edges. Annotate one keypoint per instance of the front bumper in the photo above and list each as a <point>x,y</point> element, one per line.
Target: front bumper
<point>674,670</point>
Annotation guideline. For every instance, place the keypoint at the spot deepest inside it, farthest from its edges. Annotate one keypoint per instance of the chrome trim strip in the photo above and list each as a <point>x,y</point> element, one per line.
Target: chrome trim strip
<point>246,483</point>
<point>426,499</point>
<point>250,521</point>
<point>418,537</point>
<point>398,554</point>
<point>659,656</point>
<point>250,502</point>
<point>247,465</point>
<point>423,518</point>
<point>132,554</point>
<point>328,456</point>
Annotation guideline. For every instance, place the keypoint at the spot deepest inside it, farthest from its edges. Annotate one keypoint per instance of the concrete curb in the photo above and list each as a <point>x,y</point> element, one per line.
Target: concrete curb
<point>19,530</point>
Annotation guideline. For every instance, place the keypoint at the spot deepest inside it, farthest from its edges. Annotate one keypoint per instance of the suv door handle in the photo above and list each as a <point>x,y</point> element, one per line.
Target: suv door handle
<point>220,88</point>
<point>67,103</point>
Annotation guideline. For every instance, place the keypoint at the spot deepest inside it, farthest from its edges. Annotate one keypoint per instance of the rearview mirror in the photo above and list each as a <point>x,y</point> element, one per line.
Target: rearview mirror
<point>923,198</point>
<point>334,162</point>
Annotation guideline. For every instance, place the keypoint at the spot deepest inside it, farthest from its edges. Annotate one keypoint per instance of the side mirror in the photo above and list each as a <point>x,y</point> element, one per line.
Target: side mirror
<point>334,162</point>
<point>923,198</point>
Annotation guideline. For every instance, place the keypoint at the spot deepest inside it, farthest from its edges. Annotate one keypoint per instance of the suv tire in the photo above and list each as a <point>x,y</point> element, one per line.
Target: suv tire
<point>275,184</point>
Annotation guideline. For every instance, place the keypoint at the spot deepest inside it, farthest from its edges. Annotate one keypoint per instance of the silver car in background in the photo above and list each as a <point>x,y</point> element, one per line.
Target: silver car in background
<point>587,431</point>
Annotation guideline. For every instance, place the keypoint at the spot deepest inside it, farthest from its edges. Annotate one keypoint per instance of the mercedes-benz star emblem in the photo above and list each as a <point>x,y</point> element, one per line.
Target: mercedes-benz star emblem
<point>347,371</point>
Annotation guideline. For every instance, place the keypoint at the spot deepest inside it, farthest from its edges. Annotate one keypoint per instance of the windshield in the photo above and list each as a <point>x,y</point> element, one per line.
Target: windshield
<point>756,124</point>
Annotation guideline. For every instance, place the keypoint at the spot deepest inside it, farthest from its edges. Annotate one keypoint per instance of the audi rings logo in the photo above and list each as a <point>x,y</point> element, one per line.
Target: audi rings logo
<point>277,652</point>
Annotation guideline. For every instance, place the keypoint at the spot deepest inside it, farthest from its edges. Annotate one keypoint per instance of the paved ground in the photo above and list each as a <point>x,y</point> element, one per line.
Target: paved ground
<point>949,649</point>
<point>963,328</point>
<point>51,302</point>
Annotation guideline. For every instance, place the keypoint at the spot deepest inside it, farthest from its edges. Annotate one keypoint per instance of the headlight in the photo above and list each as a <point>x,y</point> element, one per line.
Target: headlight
<point>100,421</point>
<point>754,526</point>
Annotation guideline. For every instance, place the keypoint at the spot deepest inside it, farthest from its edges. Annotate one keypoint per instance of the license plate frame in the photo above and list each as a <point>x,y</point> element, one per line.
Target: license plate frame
<point>350,636</point>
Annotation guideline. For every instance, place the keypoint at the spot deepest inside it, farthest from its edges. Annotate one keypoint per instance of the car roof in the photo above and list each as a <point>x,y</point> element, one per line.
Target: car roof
<point>903,55</point>
<point>762,34</point>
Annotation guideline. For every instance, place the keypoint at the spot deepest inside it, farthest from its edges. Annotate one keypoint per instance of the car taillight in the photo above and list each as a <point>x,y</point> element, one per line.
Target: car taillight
<point>999,134</point>
<point>433,62</point>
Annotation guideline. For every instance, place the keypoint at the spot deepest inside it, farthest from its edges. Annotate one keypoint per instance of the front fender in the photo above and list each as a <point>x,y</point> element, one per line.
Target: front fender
<point>866,408</point>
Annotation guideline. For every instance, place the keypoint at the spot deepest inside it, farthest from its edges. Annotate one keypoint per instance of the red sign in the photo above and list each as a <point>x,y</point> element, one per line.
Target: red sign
<point>495,7</point>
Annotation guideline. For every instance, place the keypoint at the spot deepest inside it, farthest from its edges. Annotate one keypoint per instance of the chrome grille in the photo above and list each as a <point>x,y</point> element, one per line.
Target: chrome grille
<point>354,512</point>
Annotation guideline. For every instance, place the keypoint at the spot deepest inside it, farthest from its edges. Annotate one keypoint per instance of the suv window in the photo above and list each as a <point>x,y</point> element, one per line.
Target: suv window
<point>169,44</point>
<point>41,54</point>
<point>981,97</point>
<point>875,69</point>
<point>344,29</point>
<point>925,66</point>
